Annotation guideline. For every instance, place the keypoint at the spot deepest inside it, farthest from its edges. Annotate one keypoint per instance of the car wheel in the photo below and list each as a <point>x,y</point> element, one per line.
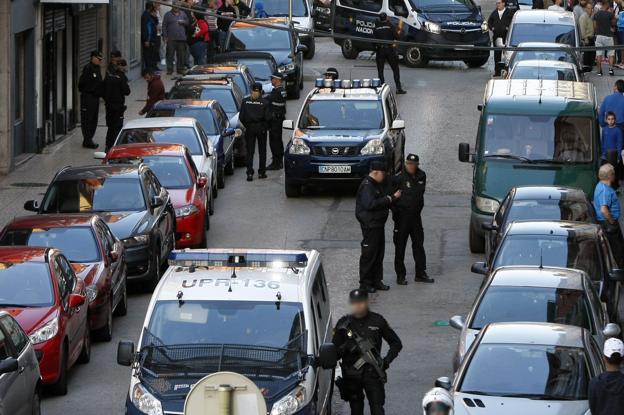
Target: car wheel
<point>220,176</point>
<point>85,352</point>
<point>155,268</point>
<point>292,190</point>
<point>414,58</point>
<point>349,51</point>
<point>294,93</point>
<point>215,189</point>
<point>36,403</point>
<point>122,307</point>
<point>477,243</point>
<point>105,334</point>
<point>60,386</point>
<point>229,167</point>
<point>311,50</point>
<point>477,62</point>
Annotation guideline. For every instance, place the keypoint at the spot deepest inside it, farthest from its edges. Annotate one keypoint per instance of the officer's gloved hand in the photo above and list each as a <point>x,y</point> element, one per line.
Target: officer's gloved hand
<point>386,364</point>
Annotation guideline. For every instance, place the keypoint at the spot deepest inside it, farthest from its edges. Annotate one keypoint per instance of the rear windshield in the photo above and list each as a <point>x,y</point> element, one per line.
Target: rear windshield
<point>203,116</point>
<point>543,73</point>
<point>444,5</point>
<point>260,69</point>
<point>171,135</point>
<point>222,95</point>
<point>258,38</point>
<point>540,32</point>
<point>25,284</point>
<point>549,209</point>
<point>558,55</point>
<point>280,8</point>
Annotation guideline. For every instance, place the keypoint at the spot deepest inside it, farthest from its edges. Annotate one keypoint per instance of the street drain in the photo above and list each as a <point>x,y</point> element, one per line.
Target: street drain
<point>29,184</point>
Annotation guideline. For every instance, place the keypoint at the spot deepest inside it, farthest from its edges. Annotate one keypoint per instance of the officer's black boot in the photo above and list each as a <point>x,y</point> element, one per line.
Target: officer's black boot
<point>401,281</point>
<point>250,177</point>
<point>423,277</point>
<point>380,286</point>
<point>90,144</point>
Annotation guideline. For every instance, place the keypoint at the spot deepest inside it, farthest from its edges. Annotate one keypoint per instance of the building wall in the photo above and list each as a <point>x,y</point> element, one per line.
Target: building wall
<point>5,82</point>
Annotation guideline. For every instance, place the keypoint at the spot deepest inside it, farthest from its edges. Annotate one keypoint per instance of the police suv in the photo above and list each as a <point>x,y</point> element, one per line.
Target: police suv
<point>264,314</point>
<point>343,126</point>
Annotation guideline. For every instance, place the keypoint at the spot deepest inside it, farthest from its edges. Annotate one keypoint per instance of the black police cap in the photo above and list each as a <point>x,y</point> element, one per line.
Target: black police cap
<point>358,295</point>
<point>277,75</point>
<point>257,87</point>
<point>377,166</point>
<point>115,54</point>
<point>97,54</point>
<point>412,157</point>
<point>333,72</point>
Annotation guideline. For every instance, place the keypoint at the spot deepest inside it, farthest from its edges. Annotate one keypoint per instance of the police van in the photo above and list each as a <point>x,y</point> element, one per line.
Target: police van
<point>434,22</point>
<point>264,314</point>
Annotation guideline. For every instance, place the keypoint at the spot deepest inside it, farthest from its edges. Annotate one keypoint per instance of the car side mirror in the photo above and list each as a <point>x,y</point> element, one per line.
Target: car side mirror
<point>443,382</point>
<point>479,268</point>
<point>32,206</point>
<point>489,226</point>
<point>229,131</point>
<point>99,155</point>
<point>202,181</point>
<point>617,275</point>
<point>398,125</point>
<point>288,124</point>
<point>479,107</point>
<point>114,256</point>
<point>302,48</point>
<point>328,356</point>
<point>157,201</point>
<point>125,353</point>
<point>457,322</point>
<point>9,365</point>
<point>611,330</point>
<point>463,152</point>
<point>76,300</point>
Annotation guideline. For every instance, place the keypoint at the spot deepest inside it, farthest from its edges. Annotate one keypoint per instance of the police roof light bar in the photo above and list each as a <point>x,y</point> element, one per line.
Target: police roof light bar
<point>207,258</point>
<point>347,83</point>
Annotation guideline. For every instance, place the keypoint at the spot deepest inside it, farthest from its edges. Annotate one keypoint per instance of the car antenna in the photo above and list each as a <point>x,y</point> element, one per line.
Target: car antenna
<point>279,300</point>
<point>179,297</point>
<point>233,275</point>
<point>541,264</point>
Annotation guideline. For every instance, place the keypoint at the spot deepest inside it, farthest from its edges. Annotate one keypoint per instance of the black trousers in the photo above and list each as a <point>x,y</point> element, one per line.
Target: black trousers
<point>275,141</point>
<point>375,393</point>
<point>114,122</point>
<point>151,55</point>
<point>408,225</point>
<point>89,112</point>
<point>372,256</point>
<point>388,54</point>
<point>252,135</point>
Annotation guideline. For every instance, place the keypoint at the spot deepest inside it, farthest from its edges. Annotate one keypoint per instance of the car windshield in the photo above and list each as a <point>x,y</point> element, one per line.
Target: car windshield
<point>171,171</point>
<point>240,82</point>
<point>549,209</point>
<point>251,323</point>
<point>202,115</point>
<point>544,73</point>
<point>556,55</point>
<point>77,243</point>
<point>530,371</point>
<point>260,69</point>
<point>279,8</point>
<point>26,284</point>
<point>258,38</point>
<point>94,194</point>
<point>542,32</point>
<point>342,115</point>
<point>541,138</point>
<point>171,135</point>
<point>577,252</point>
<point>444,5</point>
<point>223,95</point>
<point>543,305</point>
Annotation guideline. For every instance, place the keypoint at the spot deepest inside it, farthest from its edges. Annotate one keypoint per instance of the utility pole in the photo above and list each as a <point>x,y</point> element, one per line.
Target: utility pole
<point>290,4</point>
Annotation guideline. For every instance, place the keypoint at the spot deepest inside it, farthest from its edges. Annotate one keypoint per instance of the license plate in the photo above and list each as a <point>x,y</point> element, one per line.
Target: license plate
<point>334,169</point>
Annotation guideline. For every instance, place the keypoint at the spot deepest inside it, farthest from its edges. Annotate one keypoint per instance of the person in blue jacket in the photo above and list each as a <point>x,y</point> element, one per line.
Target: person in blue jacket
<point>613,103</point>
<point>612,137</point>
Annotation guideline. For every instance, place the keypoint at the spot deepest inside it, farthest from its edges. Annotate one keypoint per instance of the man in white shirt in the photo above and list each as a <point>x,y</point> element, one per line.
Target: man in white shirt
<point>557,6</point>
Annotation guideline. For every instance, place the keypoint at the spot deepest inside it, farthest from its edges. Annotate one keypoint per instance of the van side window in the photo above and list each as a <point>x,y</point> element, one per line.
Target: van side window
<point>398,7</point>
<point>366,5</point>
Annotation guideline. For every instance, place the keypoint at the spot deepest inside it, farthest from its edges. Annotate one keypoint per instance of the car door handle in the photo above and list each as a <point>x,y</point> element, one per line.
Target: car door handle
<point>21,369</point>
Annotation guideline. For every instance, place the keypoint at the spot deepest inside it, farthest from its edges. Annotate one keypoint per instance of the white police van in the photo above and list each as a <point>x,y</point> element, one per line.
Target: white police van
<point>262,313</point>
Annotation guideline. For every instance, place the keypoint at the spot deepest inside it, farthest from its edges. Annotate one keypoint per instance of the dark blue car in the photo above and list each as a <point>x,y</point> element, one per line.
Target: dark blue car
<point>214,121</point>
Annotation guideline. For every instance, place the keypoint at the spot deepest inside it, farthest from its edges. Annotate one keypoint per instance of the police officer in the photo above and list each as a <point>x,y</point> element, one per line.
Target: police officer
<point>277,105</point>
<point>363,329</point>
<point>407,221</point>
<point>498,23</point>
<point>114,90</point>
<point>384,30</point>
<point>88,85</point>
<point>332,73</point>
<point>255,115</point>
<point>372,205</point>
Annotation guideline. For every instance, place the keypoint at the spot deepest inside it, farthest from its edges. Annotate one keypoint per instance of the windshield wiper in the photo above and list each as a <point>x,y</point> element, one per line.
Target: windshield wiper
<point>539,397</point>
<point>477,393</point>
<point>511,157</point>
<point>16,305</point>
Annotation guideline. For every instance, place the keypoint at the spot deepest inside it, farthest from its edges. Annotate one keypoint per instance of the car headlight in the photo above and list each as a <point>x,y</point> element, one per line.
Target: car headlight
<point>136,240</point>
<point>485,204</point>
<point>484,27</point>
<point>290,403</point>
<point>287,67</point>
<point>433,27</point>
<point>45,332</point>
<point>187,210</point>
<point>145,401</point>
<point>299,146</point>
<point>374,146</point>
<point>92,292</point>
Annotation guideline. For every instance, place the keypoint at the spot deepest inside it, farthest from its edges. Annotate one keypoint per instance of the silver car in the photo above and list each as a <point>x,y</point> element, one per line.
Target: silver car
<point>542,295</point>
<point>526,368</point>
<point>20,380</point>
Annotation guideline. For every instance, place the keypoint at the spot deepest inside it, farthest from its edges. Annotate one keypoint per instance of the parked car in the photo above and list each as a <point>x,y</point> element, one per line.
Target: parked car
<point>189,191</point>
<point>39,288</point>
<point>548,70</point>
<point>239,73</point>
<point>20,379</point>
<point>549,51</point>
<point>261,65</point>
<point>95,254</point>
<point>132,202</point>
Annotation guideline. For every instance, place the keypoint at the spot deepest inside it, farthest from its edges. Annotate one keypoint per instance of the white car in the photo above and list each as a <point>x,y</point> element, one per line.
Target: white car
<point>174,130</point>
<point>545,70</point>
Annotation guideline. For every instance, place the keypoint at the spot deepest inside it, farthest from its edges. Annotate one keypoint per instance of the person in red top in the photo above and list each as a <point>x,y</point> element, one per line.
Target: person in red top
<point>199,39</point>
<point>155,90</point>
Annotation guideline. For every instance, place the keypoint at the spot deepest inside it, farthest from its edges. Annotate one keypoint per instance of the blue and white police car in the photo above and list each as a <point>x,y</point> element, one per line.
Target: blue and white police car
<point>343,126</point>
<point>262,313</point>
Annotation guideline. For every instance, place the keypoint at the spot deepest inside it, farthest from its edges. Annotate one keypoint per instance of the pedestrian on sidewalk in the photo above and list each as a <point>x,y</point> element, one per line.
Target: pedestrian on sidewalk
<point>198,41</point>
<point>604,26</point>
<point>499,22</point>
<point>89,86</point>
<point>226,10</point>
<point>556,6</point>
<point>174,27</point>
<point>255,116</point>
<point>613,103</point>
<point>149,37</point>
<point>213,29</point>
<point>588,38</point>
<point>155,90</point>
<point>606,391</point>
<point>277,101</point>
<point>608,211</point>
<point>114,90</point>
<point>612,140</point>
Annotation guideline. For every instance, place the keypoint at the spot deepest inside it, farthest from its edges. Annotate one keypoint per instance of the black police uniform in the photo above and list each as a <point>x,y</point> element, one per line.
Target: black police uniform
<point>88,85</point>
<point>384,30</point>
<point>372,206</point>
<point>277,101</point>
<point>255,116</point>
<point>356,382</point>
<point>499,27</point>
<point>115,89</point>
<point>408,222</point>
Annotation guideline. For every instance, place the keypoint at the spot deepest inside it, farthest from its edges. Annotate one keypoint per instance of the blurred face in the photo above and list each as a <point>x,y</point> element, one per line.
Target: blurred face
<point>411,167</point>
<point>359,308</point>
<point>96,60</point>
<point>148,77</point>
<point>611,120</point>
<point>500,5</point>
<point>589,9</point>
<point>255,94</point>
<point>378,176</point>
<point>276,82</point>
<point>437,408</point>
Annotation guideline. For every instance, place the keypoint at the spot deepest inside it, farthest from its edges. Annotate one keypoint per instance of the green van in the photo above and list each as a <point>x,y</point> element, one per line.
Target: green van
<point>531,132</point>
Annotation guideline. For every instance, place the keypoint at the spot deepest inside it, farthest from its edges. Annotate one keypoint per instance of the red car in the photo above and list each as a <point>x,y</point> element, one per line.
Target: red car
<point>39,288</point>
<point>176,172</point>
<point>96,256</point>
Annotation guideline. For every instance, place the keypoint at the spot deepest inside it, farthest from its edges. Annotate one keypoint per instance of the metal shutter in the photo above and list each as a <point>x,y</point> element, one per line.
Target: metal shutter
<point>87,36</point>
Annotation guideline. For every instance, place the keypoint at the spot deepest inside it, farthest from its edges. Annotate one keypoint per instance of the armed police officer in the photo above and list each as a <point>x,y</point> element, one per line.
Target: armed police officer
<point>372,206</point>
<point>89,85</point>
<point>407,220</point>
<point>277,105</point>
<point>255,115</point>
<point>358,338</point>
<point>114,90</point>
<point>384,30</point>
